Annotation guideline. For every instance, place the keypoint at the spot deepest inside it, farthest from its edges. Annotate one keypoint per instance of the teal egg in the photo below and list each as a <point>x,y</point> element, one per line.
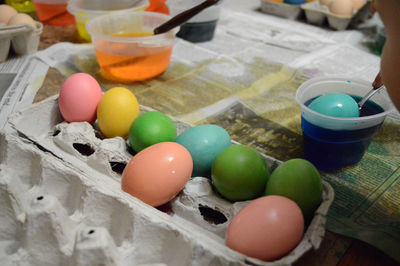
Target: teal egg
<point>204,142</point>
<point>335,104</point>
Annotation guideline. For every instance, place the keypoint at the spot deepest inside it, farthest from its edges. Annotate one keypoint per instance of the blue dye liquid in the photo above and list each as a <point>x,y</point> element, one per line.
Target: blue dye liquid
<point>334,149</point>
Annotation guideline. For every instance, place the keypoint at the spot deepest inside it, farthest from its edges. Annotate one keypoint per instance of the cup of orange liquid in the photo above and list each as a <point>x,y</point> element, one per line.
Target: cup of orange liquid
<point>126,48</point>
<point>53,12</point>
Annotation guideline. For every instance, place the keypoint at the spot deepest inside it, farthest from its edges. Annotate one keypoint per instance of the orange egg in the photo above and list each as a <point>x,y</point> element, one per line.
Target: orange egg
<point>22,18</point>
<point>6,12</point>
<point>267,228</point>
<point>158,173</point>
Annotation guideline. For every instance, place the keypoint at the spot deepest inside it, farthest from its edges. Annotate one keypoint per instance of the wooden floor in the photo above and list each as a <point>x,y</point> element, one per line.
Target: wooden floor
<point>335,249</point>
<point>342,251</point>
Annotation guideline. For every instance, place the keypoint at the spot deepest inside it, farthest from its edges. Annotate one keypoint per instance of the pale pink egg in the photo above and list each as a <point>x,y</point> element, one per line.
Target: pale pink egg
<point>6,12</point>
<point>341,7</point>
<point>78,99</point>
<point>267,228</point>
<point>357,4</point>
<point>22,18</point>
<point>158,173</point>
<point>325,2</point>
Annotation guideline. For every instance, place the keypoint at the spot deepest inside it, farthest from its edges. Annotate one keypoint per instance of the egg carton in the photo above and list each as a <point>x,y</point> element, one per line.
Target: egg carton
<point>316,14</point>
<point>22,38</point>
<point>284,10</point>
<point>66,208</point>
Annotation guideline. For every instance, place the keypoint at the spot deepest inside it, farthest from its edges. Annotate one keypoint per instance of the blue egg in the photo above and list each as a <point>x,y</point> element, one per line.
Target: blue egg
<point>204,142</point>
<point>294,2</point>
<point>335,104</point>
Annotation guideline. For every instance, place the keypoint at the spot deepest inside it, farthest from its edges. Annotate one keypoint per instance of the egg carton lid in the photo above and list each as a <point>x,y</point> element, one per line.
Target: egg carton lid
<point>22,38</point>
<point>39,122</point>
<point>318,14</point>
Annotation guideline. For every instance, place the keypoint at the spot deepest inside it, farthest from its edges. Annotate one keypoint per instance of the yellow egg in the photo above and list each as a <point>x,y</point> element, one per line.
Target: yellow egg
<point>117,110</point>
<point>341,7</point>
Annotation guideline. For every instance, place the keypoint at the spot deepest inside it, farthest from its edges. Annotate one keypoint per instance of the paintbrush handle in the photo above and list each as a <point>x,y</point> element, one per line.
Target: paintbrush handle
<point>377,82</point>
<point>183,17</point>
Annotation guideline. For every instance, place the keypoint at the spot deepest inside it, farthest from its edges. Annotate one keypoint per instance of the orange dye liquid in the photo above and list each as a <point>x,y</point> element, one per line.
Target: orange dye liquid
<point>54,14</point>
<point>134,68</point>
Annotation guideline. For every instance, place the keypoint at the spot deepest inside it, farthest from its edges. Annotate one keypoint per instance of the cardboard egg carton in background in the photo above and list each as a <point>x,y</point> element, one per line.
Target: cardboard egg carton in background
<point>316,14</point>
<point>23,39</point>
<point>64,204</point>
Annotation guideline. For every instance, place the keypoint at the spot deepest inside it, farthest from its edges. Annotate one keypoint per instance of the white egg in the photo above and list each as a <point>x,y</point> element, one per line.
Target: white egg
<point>341,7</point>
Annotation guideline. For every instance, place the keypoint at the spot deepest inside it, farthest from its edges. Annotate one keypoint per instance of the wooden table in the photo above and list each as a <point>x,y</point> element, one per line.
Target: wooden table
<point>335,249</point>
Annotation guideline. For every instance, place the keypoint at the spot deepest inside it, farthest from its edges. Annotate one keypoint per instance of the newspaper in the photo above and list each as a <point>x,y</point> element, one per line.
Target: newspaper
<point>245,80</point>
<point>20,79</point>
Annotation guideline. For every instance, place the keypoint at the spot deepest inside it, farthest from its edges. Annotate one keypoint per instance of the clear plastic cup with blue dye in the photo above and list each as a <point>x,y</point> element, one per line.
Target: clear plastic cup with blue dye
<point>332,143</point>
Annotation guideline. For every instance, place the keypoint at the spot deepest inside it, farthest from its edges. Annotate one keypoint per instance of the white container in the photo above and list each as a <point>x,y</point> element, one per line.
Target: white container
<point>89,197</point>
<point>135,51</point>
<point>84,10</point>
<point>22,38</point>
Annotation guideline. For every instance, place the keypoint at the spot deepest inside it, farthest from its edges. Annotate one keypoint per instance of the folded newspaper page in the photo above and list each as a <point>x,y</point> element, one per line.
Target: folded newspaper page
<point>20,79</point>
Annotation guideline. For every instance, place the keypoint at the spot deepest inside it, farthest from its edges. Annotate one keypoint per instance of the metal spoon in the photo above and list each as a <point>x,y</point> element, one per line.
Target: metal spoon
<point>377,85</point>
<point>367,96</point>
<point>183,17</point>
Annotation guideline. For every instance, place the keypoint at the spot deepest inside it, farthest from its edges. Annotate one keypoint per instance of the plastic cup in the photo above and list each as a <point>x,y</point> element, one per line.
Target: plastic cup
<point>53,12</point>
<point>201,27</point>
<point>85,10</point>
<point>125,48</point>
<point>331,143</point>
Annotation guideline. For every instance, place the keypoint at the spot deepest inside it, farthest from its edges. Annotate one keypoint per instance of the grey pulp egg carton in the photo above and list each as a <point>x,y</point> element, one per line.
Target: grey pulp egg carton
<point>23,39</point>
<point>316,14</point>
<point>281,9</point>
<point>63,205</point>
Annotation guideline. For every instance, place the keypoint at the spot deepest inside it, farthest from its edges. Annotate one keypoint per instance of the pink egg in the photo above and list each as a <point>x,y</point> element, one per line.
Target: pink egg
<point>79,97</point>
<point>267,228</point>
<point>158,173</point>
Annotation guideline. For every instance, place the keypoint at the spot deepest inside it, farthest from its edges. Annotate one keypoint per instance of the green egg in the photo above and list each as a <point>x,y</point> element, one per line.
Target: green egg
<point>239,173</point>
<point>298,180</point>
<point>151,128</point>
